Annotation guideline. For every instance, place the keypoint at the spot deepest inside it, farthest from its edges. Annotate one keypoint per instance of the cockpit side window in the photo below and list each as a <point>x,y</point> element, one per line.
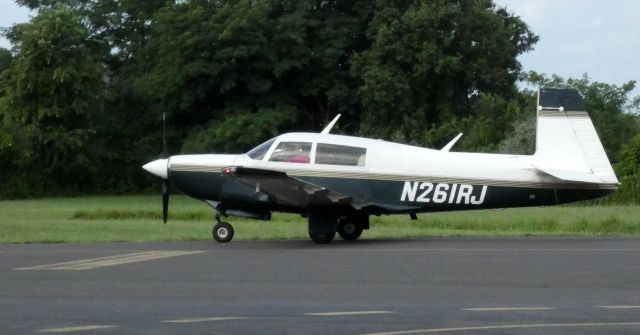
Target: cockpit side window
<point>334,154</point>
<point>260,151</point>
<point>292,152</point>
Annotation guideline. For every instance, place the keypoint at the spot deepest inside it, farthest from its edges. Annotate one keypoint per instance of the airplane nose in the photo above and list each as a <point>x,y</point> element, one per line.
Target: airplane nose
<point>158,167</point>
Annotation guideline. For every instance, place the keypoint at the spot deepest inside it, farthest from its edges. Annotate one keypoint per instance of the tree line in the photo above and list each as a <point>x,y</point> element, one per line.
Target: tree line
<point>86,83</point>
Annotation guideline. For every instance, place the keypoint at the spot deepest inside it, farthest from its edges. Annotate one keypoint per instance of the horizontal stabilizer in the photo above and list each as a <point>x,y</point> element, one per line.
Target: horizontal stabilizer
<point>571,175</point>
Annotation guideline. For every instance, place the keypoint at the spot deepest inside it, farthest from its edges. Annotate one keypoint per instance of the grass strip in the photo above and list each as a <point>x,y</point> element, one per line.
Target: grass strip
<point>138,218</point>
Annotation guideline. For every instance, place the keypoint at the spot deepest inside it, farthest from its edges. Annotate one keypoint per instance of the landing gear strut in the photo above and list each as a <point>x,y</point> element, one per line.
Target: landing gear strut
<point>222,231</point>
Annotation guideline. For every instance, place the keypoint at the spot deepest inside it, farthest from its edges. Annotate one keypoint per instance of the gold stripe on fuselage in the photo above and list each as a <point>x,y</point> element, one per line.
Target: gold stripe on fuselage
<point>401,178</point>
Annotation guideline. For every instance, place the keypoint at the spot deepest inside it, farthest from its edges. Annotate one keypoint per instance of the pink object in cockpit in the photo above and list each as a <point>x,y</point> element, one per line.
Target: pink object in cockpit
<point>299,159</point>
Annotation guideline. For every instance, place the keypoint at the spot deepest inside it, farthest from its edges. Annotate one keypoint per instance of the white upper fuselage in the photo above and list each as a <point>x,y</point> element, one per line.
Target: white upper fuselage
<point>388,158</point>
<point>385,159</point>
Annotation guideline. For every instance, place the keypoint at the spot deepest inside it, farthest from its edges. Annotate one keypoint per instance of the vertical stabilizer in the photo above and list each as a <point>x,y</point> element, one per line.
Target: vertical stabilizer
<point>566,140</point>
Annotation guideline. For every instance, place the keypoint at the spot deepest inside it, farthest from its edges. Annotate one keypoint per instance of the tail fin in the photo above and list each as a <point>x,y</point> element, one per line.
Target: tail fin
<point>567,145</point>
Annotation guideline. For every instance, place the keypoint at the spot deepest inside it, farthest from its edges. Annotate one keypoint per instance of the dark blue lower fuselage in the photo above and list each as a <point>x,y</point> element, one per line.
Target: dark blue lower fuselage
<point>385,196</point>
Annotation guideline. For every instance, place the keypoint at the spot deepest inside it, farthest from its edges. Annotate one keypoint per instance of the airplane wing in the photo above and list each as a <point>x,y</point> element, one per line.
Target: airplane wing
<point>289,191</point>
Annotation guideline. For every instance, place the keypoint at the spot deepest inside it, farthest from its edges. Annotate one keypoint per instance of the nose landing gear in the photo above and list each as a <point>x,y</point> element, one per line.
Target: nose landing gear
<point>222,231</point>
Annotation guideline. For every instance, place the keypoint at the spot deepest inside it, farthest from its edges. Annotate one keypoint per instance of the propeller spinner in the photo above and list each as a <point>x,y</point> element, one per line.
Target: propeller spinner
<point>160,168</point>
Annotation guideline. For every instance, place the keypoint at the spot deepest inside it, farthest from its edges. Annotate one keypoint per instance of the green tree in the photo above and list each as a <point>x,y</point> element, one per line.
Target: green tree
<point>629,164</point>
<point>231,73</point>
<point>5,59</point>
<point>430,63</point>
<point>628,172</point>
<point>53,91</point>
<point>208,61</point>
<point>128,132</point>
<point>282,65</point>
<point>521,140</point>
<point>120,26</point>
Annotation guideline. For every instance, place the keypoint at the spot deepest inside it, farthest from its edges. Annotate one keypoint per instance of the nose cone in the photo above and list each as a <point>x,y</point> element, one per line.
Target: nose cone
<point>158,168</point>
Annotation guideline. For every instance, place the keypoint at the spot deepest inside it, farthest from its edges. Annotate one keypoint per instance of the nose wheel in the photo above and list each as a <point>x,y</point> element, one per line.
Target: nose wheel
<point>222,231</point>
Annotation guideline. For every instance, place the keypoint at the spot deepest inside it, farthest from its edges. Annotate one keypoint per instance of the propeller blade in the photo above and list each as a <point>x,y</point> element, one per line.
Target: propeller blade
<point>165,200</point>
<point>164,134</point>
<point>165,182</point>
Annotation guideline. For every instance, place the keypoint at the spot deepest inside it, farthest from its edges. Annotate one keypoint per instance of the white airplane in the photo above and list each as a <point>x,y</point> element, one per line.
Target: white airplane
<point>338,181</point>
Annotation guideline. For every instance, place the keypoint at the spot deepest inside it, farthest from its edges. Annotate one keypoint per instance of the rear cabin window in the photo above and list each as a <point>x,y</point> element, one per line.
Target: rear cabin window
<point>340,155</point>
<point>292,152</point>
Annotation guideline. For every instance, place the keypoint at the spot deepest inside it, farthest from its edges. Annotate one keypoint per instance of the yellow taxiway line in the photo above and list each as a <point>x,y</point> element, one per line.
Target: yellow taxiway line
<point>93,263</point>
<point>502,327</point>
<point>209,319</point>
<point>349,313</point>
<point>506,309</point>
<point>76,329</point>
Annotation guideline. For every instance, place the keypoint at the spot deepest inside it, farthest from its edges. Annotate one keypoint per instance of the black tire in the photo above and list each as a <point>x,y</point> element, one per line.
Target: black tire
<point>322,238</point>
<point>222,232</point>
<point>349,230</point>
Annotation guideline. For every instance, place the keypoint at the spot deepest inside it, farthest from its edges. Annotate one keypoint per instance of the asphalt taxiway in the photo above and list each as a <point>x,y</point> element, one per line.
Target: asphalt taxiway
<point>424,286</point>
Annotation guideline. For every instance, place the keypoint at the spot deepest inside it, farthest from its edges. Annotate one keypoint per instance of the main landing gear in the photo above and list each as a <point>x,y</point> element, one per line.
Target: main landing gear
<point>222,231</point>
<point>322,238</point>
<point>349,228</point>
<point>324,224</point>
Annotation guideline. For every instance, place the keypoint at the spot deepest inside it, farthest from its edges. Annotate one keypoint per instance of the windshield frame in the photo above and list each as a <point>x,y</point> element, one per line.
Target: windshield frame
<point>259,153</point>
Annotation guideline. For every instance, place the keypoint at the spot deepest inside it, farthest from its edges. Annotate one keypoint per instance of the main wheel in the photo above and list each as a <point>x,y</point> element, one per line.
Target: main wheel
<point>222,232</point>
<point>349,230</point>
<point>322,238</point>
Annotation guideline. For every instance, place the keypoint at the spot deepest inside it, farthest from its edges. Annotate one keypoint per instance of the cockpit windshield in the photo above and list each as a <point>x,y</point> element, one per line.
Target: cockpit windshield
<point>260,151</point>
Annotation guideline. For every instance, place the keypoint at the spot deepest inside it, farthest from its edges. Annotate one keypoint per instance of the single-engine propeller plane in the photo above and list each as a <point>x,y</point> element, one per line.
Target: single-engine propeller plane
<point>338,181</point>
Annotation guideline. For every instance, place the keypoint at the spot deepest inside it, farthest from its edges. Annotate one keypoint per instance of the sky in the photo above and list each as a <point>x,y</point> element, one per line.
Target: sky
<point>597,37</point>
<point>10,13</point>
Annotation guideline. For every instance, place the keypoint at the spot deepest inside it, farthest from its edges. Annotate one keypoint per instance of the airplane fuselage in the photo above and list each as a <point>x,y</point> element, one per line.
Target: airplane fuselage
<point>406,179</point>
<point>339,181</point>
